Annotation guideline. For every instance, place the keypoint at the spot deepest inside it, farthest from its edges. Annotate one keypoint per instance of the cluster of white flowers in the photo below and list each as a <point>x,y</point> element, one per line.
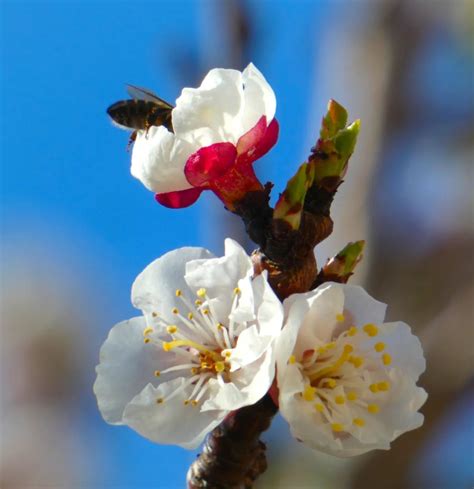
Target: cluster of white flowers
<point>212,334</point>
<point>214,337</point>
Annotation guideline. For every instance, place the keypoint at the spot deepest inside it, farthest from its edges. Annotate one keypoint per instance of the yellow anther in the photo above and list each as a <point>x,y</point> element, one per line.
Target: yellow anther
<point>337,427</point>
<point>359,422</point>
<point>331,345</point>
<point>220,326</point>
<point>352,331</point>
<point>146,340</point>
<point>201,293</point>
<point>169,345</point>
<point>351,396</point>
<point>160,400</point>
<point>386,359</point>
<point>380,346</point>
<point>319,407</point>
<point>309,393</point>
<point>175,310</point>
<point>194,403</point>
<point>190,315</point>
<point>373,408</point>
<point>237,291</point>
<point>219,366</point>
<point>356,361</point>
<point>371,329</point>
<point>292,359</point>
<point>331,383</point>
<point>154,314</point>
<point>340,399</point>
<point>322,349</point>
<point>194,370</point>
<point>383,386</point>
<point>198,302</point>
<point>374,388</point>
<point>178,293</point>
<point>206,312</point>
<point>157,373</point>
<point>226,353</point>
<point>172,329</point>
<point>147,331</point>
<point>340,318</point>
<point>186,402</point>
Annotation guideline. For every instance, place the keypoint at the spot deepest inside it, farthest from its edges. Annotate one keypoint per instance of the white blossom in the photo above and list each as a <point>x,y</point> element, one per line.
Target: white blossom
<point>347,380</point>
<point>226,106</point>
<point>203,347</point>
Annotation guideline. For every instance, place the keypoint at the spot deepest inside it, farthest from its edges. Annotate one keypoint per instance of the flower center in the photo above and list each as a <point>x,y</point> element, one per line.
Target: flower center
<point>202,345</point>
<point>346,379</point>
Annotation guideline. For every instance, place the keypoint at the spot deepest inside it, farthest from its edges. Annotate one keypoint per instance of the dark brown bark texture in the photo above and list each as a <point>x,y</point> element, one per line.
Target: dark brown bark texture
<point>233,457</point>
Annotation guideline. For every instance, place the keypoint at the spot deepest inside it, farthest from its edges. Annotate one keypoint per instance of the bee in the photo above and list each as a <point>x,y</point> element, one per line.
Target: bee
<point>143,110</point>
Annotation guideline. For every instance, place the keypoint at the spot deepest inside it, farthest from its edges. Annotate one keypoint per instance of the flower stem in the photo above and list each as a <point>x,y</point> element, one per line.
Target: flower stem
<point>233,456</point>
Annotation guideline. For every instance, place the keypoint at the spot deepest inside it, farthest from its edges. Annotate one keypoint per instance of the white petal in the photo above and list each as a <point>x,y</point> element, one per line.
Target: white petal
<point>158,160</point>
<point>154,290</point>
<point>126,366</point>
<point>209,114</point>
<point>360,307</point>
<point>171,422</point>
<point>259,98</point>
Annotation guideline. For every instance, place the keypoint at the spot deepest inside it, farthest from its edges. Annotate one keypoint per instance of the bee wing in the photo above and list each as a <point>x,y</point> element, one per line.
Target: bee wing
<point>138,93</point>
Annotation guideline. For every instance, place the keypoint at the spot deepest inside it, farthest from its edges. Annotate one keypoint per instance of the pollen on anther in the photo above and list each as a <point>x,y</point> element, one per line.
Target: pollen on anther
<point>383,386</point>
<point>186,402</point>
<point>356,361</point>
<point>386,359</point>
<point>156,373</point>
<point>172,329</point>
<point>194,370</point>
<point>236,291</point>
<point>190,315</point>
<point>194,403</point>
<point>166,346</point>
<point>198,302</point>
<point>205,312</point>
<point>147,331</point>
<point>351,396</point>
<point>154,314</point>
<point>340,317</point>
<point>374,388</point>
<point>175,310</point>
<point>319,407</point>
<point>160,400</point>
<point>373,408</point>
<point>352,331</point>
<point>292,360</point>
<point>201,293</point>
<point>227,354</point>
<point>340,399</point>
<point>178,293</point>
<point>337,427</point>
<point>380,346</point>
<point>371,329</point>
<point>146,340</point>
<point>220,326</point>
<point>359,422</point>
<point>331,383</point>
<point>309,393</point>
<point>219,366</point>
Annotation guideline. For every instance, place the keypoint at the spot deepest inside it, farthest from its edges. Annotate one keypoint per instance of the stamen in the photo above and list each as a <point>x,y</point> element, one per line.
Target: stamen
<point>146,340</point>
<point>157,373</point>
<point>351,396</point>
<point>337,427</point>
<point>160,400</point>
<point>292,359</point>
<point>178,293</point>
<point>237,291</point>
<point>356,361</point>
<point>386,359</point>
<point>148,330</point>
<point>175,310</point>
<point>352,331</point>
<point>154,314</point>
<point>371,329</point>
<point>309,393</point>
<point>380,346</point>
<point>373,408</point>
<point>201,293</point>
<point>340,318</point>
<point>219,366</point>
<point>170,345</point>
<point>319,407</point>
<point>383,386</point>
<point>374,388</point>
<point>359,422</point>
<point>172,329</point>
<point>340,399</point>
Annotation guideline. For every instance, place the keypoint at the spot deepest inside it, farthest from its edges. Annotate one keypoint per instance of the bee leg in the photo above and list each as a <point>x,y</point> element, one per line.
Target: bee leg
<point>131,140</point>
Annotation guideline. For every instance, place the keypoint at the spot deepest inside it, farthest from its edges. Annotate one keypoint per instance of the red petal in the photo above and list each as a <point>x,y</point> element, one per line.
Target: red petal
<point>209,163</point>
<point>179,199</point>
<point>258,141</point>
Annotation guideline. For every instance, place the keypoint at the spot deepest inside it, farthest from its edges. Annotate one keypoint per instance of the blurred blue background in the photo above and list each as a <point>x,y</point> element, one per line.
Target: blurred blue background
<point>76,228</point>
